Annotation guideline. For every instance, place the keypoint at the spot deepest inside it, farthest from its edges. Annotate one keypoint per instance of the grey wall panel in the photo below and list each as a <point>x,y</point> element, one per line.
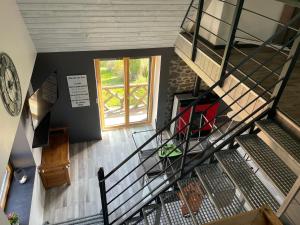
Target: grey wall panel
<point>83,123</point>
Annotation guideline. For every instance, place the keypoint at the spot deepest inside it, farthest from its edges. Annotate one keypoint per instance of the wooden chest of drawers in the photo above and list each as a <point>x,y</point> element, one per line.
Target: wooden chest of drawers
<point>55,164</point>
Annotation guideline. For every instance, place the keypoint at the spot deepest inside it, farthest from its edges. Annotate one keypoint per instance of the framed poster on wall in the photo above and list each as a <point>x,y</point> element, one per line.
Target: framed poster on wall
<point>79,91</point>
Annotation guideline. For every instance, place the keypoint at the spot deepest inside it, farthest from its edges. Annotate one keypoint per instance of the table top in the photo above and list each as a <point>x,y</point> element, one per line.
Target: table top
<point>57,153</point>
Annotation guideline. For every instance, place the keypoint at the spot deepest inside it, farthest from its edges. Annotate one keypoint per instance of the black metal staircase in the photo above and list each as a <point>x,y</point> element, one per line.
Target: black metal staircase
<point>222,174</point>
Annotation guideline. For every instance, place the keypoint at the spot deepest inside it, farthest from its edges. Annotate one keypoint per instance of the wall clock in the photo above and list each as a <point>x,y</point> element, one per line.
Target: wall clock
<point>10,88</point>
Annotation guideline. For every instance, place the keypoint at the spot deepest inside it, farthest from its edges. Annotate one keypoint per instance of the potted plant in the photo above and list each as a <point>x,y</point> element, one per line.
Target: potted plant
<point>13,218</point>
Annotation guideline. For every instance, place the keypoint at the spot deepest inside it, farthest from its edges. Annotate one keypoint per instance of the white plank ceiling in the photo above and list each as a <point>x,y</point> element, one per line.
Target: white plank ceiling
<point>83,25</point>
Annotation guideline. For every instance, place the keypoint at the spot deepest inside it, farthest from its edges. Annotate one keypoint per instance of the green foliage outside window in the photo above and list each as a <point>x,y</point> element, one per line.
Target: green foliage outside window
<point>112,74</point>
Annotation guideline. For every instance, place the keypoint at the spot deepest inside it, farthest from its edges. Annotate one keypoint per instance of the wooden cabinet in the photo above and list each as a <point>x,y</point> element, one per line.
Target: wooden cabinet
<point>55,164</point>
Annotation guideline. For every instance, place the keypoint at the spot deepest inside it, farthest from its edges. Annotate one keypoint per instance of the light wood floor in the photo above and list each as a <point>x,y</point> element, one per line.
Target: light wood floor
<point>82,197</point>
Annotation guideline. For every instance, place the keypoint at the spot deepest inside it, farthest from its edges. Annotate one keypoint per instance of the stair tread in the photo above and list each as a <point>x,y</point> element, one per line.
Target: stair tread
<point>171,205</point>
<point>150,213</point>
<point>282,176</point>
<point>221,190</point>
<point>254,191</point>
<point>281,137</point>
<point>206,211</point>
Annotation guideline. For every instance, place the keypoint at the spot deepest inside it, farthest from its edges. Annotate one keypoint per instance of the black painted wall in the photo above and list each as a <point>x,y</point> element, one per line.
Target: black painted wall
<point>83,123</point>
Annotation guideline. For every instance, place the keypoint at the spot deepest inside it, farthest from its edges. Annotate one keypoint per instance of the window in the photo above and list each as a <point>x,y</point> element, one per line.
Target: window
<point>125,90</point>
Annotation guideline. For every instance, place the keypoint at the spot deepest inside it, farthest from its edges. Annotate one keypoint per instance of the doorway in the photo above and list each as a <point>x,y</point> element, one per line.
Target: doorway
<point>125,88</point>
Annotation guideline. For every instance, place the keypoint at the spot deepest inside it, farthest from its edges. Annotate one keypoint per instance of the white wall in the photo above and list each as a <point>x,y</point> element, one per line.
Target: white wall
<point>259,26</point>
<point>15,41</point>
<point>215,8</point>
<point>254,24</point>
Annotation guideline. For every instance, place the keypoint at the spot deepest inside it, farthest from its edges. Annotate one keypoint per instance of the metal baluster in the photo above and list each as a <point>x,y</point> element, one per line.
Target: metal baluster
<point>187,139</point>
<point>186,14</point>
<point>196,31</point>
<point>103,195</point>
<point>230,39</point>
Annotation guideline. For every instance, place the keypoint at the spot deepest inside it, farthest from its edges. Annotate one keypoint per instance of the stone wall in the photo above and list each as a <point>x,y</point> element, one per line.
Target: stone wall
<point>181,79</point>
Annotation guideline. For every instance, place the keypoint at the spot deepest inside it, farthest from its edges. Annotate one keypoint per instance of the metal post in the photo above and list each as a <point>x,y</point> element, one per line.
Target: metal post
<point>231,37</point>
<point>196,31</point>
<point>285,75</point>
<point>103,195</point>
<point>187,139</point>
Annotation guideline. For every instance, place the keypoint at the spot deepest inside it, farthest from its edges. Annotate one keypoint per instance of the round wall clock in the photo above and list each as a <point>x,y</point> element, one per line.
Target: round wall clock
<point>10,88</point>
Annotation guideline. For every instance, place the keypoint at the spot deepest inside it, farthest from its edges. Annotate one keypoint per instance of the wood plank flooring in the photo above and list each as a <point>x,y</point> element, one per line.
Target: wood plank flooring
<point>82,197</point>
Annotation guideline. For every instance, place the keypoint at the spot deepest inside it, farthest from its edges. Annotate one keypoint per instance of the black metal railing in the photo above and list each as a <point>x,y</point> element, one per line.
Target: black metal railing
<point>125,197</point>
<point>233,25</point>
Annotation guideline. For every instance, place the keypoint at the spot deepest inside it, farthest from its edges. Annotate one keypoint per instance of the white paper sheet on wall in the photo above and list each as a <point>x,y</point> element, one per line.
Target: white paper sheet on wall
<point>79,91</point>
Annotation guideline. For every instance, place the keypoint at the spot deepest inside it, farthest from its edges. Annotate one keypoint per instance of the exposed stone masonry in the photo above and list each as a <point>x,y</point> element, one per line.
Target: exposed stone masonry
<point>181,79</point>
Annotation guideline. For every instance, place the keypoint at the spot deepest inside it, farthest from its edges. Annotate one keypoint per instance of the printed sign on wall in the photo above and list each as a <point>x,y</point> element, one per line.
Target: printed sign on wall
<point>79,91</point>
